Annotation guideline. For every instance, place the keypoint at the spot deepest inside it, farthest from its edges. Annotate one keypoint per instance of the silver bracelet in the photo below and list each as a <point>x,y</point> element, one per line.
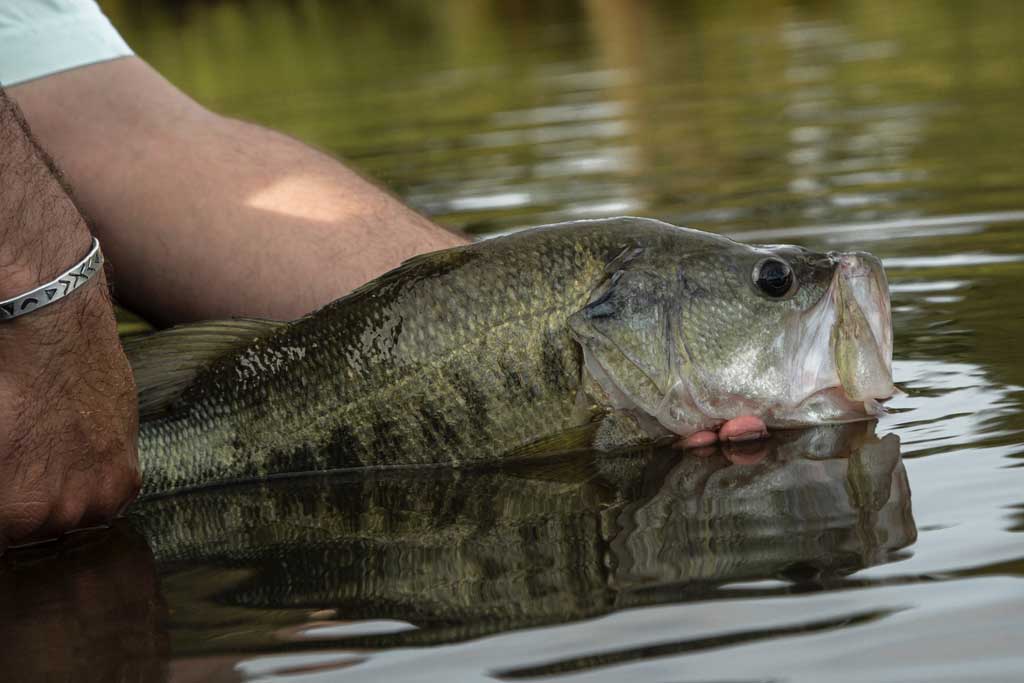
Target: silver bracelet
<point>80,273</point>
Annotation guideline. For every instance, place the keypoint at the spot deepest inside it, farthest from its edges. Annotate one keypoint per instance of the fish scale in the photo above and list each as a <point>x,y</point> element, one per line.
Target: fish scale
<point>405,372</point>
<point>605,334</point>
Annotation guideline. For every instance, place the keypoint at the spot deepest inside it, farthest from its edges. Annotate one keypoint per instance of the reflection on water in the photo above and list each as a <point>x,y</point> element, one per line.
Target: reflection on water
<point>427,558</point>
<point>458,555</point>
<point>87,609</point>
<point>827,502</point>
<point>863,124</point>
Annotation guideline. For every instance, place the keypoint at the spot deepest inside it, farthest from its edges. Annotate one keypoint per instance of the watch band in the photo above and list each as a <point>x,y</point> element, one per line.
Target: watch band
<point>64,284</point>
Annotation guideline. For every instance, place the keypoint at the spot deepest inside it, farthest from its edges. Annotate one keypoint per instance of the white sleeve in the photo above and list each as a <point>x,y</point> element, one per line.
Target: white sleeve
<point>41,37</point>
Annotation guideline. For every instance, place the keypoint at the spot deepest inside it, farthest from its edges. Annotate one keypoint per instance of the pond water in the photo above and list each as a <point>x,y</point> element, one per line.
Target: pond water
<point>882,552</point>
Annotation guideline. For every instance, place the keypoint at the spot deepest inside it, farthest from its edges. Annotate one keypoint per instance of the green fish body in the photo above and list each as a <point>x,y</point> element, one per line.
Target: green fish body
<point>589,334</point>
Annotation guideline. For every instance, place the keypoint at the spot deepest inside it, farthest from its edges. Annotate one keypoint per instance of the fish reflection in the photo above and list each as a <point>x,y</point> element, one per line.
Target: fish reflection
<point>828,500</point>
<point>438,556</point>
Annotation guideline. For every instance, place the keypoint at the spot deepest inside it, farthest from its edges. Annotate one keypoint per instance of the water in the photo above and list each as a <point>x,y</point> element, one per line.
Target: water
<point>835,555</point>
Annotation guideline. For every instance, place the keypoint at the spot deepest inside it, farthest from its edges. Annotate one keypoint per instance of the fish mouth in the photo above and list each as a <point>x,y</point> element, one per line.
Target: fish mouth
<point>861,338</point>
<point>842,365</point>
<point>863,276</point>
<point>831,405</point>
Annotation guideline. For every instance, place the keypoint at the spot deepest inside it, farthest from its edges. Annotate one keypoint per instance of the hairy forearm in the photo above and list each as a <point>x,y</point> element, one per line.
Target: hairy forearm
<point>210,217</point>
<point>41,230</point>
<point>67,402</point>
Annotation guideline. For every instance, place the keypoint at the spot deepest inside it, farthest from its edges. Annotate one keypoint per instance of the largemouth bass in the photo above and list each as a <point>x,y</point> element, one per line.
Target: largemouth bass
<point>593,334</point>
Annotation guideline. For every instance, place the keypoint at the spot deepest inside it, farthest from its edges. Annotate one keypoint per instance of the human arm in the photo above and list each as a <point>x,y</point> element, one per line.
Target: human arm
<point>206,216</point>
<point>67,401</point>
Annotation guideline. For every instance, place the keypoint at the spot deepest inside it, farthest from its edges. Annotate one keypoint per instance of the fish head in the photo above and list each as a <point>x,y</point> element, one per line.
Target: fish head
<point>693,334</point>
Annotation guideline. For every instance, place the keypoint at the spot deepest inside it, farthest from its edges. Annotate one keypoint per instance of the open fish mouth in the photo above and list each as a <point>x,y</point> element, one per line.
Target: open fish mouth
<point>861,337</point>
<point>842,365</point>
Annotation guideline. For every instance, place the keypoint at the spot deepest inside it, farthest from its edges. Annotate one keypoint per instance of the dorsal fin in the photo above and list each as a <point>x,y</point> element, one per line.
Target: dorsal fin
<point>165,363</point>
<point>429,264</point>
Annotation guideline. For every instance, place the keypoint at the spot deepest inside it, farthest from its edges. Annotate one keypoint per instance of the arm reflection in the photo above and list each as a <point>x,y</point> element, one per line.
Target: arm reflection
<point>86,608</point>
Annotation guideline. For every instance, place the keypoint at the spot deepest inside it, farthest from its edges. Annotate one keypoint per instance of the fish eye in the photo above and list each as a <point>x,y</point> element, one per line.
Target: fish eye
<point>774,277</point>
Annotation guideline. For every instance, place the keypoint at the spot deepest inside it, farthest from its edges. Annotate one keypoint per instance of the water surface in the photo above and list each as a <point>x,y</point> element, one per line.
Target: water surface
<point>881,552</point>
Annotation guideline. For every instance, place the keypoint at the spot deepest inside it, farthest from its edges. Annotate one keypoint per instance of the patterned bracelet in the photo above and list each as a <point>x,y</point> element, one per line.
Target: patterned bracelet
<point>80,273</point>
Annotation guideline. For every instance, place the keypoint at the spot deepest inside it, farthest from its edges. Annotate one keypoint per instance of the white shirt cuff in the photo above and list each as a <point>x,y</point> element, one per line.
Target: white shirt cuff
<point>42,37</point>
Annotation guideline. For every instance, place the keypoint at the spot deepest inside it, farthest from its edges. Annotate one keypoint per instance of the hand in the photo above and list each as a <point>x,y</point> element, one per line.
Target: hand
<point>68,419</point>
<point>68,416</point>
<point>743,428</point>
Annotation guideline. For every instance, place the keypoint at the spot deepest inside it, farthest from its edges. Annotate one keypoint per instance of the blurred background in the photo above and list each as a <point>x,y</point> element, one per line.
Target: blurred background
<point>493,114</point>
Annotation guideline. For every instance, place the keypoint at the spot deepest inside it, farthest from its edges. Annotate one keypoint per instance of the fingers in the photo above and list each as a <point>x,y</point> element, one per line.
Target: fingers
<point>55,506</point>
<point>117,491</point>
<point>739,430</point>
<point>21,521</point>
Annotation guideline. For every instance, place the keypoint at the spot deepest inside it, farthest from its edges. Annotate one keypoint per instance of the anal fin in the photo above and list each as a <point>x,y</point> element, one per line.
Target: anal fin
<point>571,439</point>
<point>613,431</point>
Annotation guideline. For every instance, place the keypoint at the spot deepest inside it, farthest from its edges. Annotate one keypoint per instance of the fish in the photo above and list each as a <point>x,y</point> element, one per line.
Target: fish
<point>464,553</point>
<point>598,334</point>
